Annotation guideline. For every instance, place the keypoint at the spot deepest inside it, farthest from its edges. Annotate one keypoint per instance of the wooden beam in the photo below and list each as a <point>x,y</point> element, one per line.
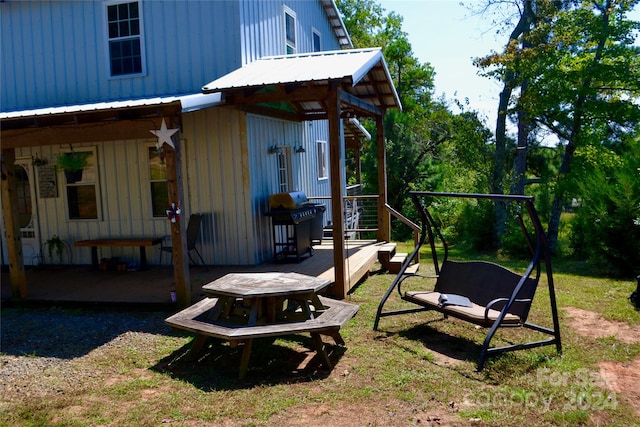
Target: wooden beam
<point>384,217</point>
<point>17,273</point>
<point>336,157</point>
<point>281,94</point>
<point>181,275</point>
<point>75,134</point>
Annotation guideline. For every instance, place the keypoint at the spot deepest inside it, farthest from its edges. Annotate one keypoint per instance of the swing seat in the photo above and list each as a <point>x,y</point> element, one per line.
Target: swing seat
<point>479,292</point>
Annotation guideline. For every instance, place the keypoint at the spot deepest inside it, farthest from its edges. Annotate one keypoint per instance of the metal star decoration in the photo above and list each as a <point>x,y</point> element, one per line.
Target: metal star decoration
<point>164,135</point>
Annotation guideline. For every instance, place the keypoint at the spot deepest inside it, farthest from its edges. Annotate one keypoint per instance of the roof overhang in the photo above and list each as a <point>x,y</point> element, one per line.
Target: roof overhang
<point>101,121</point>
<point>296,87</point>
<point>354,134</point>
<point>336,23</point>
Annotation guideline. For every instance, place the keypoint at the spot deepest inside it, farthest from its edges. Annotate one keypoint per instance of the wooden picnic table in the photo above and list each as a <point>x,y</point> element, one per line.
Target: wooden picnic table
<point>141,242</point>
<point>242,306</point>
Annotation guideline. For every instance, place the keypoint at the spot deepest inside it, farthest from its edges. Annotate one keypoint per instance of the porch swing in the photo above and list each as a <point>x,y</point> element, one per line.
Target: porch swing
<point>480,292</point>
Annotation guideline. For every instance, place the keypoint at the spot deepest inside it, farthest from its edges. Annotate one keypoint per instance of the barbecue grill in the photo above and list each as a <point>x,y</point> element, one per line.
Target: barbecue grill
<point>294,219</point>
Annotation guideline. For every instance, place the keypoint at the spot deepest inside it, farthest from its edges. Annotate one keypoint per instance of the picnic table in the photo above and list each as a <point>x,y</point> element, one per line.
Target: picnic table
<point>242,306</point>
<point>141,242</point>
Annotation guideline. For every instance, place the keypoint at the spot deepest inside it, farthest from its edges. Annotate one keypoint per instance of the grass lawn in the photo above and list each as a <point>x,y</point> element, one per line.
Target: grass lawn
<point>419,369</point>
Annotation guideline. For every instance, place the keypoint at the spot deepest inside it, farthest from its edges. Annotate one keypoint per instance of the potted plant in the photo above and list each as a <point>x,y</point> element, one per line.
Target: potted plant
<point>55,245</point>
<point>72,164</point>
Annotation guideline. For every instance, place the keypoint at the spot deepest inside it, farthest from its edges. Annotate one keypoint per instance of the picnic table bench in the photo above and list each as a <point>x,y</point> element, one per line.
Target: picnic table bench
<point>241,307</point>
<point>141,242</point>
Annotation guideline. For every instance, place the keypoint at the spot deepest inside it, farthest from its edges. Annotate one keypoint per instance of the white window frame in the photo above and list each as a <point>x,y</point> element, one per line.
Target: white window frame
<point>288,44</point>
<point>84,182</point>
<point>315,32</point>
<point>323,159</point>
<point>285,175</point>
<point>150,181</point>
<point>143,62</point>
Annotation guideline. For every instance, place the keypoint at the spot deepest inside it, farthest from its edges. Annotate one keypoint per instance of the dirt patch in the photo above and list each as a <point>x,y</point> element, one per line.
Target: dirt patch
<point>623,379</point>
<point>620,378</point>
<point>593,325</point>
<point>352,415</point>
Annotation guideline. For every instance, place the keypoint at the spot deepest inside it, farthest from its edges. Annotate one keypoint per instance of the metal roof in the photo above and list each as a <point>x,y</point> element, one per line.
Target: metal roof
<point>188,103</point>
<point>359,72</point>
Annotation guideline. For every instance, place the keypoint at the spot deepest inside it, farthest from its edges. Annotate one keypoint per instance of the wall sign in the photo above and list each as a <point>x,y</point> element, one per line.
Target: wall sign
<point>47,181</point>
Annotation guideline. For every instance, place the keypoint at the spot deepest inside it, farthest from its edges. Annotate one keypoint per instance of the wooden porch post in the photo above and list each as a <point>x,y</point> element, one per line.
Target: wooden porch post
<point>178,229</point>
<point>384,217</point>
<point>336,158</point>
<point>11,226</point>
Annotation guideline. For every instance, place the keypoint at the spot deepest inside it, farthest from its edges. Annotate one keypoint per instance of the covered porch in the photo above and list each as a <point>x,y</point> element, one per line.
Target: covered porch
<point>69,285</point>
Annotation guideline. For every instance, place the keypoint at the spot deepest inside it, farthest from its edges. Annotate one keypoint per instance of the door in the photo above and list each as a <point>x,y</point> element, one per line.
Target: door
<point>27,218</point>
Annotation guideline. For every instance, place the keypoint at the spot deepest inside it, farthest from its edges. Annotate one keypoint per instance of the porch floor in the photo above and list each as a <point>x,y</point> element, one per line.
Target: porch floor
<point>78,285</point>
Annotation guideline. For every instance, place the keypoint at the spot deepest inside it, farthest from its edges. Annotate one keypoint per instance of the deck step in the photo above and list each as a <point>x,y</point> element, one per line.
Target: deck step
<point>385,253</point>
<point>412,269</point>
<point>395,263</point>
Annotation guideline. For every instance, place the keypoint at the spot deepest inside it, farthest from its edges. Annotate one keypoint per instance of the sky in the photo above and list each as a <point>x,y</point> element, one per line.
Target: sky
<point>448,35</point>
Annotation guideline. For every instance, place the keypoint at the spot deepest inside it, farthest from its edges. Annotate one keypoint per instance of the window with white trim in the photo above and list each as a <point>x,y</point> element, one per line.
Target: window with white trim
<point>316,40</point>
<point>321,152</point>
<point>82,187</point>
<point>125,44</point>
<point>290,31</point>
<point>159,188</point>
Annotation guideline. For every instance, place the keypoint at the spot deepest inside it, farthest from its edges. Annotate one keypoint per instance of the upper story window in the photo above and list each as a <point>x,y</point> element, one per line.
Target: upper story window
<point>124,28</point>
<point>317,46</point>
<point>290,30</point>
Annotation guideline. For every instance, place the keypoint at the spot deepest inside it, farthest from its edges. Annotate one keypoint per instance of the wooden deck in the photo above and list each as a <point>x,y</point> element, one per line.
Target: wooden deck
<point>79,284</point>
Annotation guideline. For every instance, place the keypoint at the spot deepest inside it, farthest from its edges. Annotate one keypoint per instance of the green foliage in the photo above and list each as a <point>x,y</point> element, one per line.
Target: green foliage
<point>475,225</point>
<point>606,227</point>
<point>73,161</point>
<point>55,245</point>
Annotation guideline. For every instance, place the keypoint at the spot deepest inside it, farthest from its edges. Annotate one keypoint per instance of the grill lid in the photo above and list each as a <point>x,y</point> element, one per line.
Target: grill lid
<point>291,200</point>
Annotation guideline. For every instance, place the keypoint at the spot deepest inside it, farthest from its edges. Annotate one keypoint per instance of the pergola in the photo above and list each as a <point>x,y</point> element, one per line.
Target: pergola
<point>333,86</point>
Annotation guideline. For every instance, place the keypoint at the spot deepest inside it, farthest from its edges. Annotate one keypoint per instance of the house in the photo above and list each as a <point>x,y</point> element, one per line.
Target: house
<point>233,78</point>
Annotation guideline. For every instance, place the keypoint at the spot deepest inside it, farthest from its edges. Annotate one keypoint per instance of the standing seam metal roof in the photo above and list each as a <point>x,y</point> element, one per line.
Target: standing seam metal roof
<point>364,67</point>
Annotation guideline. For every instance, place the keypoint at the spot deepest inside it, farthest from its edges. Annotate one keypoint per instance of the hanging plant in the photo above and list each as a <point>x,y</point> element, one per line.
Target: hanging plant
<point>73,164</point>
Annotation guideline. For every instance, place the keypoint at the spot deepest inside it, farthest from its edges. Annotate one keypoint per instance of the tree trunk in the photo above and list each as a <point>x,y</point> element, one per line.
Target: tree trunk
<point>497,186</point>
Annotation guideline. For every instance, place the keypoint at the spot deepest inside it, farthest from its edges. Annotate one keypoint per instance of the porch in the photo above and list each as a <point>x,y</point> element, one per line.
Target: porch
<point>79,285</point>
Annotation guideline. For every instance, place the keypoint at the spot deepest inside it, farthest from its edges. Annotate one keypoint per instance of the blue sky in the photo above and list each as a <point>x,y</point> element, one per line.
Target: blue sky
<point>448,35</point>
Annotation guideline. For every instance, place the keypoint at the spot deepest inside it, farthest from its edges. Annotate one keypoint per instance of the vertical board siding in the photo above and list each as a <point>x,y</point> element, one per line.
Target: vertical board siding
<point>215,174</point>
<point>58,56</point>
<point>124,201</point>
<point>258,18</point>
<point>58,51</point>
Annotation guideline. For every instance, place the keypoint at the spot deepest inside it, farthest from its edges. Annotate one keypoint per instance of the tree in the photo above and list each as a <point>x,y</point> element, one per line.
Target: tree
<point>582,72</point>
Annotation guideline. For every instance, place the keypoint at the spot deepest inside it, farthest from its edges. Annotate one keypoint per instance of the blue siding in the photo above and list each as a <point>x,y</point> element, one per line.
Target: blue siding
<point>55,52</point>
<point>267,17</point>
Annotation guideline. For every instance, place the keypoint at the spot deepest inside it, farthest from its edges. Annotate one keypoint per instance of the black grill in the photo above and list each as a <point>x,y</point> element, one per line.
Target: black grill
<point>293,222</point>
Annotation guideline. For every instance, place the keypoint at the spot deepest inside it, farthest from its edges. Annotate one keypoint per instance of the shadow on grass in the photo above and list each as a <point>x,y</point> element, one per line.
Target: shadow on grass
<point>286,360</point>
<point>462,349</point>
<point>454,347</point>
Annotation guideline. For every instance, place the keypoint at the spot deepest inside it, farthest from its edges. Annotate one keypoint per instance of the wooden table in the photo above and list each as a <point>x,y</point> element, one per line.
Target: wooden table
<point>142,242</point>
<point>244,306</point>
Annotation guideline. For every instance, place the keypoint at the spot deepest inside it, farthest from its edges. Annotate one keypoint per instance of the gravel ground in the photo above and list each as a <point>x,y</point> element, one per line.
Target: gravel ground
<point>45,351</point>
